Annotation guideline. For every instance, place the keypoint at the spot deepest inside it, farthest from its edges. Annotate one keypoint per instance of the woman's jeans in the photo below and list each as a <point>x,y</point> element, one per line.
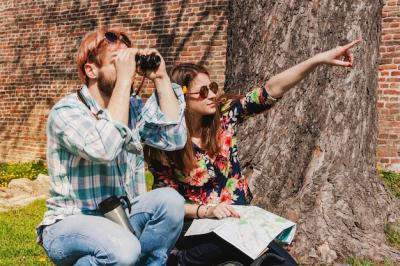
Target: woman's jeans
<point>156,217</point>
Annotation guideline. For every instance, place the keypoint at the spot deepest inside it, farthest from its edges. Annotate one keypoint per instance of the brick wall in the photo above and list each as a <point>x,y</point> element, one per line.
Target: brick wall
<point>40,40</point>
<point>388,149</point>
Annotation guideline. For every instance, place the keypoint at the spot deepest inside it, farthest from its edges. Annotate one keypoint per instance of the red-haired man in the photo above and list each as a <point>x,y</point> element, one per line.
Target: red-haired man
<point>95,152</point>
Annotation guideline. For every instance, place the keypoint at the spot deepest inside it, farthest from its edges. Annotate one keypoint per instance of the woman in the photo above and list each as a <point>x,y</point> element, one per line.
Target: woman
<point>207,171</point>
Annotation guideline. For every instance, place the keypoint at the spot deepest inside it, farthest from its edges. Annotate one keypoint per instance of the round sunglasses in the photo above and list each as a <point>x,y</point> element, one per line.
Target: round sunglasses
<point>204,90</point>
<point>113,37</point>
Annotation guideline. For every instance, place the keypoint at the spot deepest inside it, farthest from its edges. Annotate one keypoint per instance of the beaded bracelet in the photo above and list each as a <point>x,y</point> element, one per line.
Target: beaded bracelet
<point>206,214</point>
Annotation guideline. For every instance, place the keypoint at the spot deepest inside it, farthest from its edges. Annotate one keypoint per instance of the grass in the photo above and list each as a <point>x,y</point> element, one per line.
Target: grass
<point>392,180</point>
<point>18,238</point>
<point>359,262</point>
<point>393,235</point>
<point>353,261</point>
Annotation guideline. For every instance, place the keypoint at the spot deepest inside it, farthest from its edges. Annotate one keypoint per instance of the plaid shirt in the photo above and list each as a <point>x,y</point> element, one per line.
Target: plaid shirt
<point>90,160</point>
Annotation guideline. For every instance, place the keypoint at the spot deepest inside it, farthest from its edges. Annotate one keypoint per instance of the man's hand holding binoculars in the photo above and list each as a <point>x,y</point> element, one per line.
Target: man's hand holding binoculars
<point>146,62</point>
<point>150,64</point>
<point>125,65</point>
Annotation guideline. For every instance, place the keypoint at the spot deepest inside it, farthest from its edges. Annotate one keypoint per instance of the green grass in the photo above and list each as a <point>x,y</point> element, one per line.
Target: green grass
<point>359,262</point>
<point>30,170</point>
<point>392,180</point>
<point>18,238</point>
<point>393,235</point>
<point>354,261</point>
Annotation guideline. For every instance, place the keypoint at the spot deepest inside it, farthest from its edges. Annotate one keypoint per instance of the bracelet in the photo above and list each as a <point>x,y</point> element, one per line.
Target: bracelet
<point>206,214</point>
<point>197,211</point>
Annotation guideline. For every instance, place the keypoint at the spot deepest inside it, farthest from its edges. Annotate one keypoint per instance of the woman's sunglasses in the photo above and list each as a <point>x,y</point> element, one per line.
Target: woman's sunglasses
<point>203,93</point>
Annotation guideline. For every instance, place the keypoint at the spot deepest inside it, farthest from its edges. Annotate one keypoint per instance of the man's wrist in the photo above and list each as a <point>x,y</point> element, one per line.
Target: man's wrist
<point>123,83</point>
<point>162,80</point>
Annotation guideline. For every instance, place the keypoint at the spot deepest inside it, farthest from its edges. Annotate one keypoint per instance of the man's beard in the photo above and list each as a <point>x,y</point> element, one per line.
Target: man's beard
<point>106,86</point>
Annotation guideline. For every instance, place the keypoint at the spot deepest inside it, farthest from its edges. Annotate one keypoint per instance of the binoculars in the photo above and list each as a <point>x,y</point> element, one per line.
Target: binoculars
<point>148,62</point>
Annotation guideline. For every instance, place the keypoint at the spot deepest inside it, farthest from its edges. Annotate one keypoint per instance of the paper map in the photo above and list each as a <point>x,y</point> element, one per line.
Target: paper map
<point>251,233</point>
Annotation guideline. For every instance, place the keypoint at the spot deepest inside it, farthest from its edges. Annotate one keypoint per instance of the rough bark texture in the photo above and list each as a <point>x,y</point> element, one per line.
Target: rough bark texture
<point>312,156</point>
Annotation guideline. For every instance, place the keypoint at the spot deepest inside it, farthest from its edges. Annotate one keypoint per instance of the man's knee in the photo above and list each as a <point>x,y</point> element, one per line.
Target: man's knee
<point>172,202</point>
<point>126,254</point>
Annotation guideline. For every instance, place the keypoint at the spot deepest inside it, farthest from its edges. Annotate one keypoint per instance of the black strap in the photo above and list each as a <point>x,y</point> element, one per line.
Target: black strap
<point>80,96</point>
<point>82,99</point>
<point>127,201</point>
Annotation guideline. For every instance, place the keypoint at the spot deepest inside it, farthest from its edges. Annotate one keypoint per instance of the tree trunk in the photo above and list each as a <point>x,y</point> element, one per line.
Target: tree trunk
<point>313,157</point>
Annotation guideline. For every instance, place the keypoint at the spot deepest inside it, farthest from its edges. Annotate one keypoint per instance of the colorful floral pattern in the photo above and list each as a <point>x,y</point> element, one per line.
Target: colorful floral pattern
<point>218,178</point>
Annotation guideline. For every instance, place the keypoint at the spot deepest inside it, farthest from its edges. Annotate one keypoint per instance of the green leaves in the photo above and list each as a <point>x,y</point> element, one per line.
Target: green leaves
<point>30,170</point>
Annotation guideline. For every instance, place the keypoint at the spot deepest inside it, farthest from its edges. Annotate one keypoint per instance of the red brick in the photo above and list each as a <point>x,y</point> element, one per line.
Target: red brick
<point>392,105</point>
<point>391,92</point>
<point>387,37</point>
<point>390,8</point>
<point>388,66</point>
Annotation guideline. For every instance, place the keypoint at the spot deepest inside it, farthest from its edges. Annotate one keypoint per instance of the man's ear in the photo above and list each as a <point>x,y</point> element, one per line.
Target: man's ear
<point>91,70</point>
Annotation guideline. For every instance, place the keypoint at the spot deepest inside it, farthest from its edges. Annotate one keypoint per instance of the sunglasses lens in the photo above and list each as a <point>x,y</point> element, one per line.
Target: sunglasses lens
<point>214,87</point>
<point>203,92</point>
<point>126,40</point>
<point>111,36</point>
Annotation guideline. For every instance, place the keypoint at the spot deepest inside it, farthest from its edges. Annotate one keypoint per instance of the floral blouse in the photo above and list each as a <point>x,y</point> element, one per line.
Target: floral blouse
<point>218,178</point>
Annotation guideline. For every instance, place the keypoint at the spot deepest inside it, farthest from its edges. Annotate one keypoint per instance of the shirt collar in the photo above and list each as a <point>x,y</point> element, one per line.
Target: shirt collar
<point>94,106</point>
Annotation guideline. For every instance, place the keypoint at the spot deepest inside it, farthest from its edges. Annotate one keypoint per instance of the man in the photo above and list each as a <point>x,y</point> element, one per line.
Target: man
<point>94,152</point>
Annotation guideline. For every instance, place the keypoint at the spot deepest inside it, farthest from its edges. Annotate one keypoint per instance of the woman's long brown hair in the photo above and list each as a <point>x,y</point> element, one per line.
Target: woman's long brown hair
<point>184,159</point>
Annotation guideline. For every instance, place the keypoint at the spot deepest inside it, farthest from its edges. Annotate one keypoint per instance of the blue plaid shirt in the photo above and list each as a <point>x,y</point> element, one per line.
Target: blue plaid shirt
<point>91,159</point>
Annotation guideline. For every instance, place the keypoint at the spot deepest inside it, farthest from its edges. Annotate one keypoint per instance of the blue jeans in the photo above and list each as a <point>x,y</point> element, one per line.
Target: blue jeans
<point>156,217</point>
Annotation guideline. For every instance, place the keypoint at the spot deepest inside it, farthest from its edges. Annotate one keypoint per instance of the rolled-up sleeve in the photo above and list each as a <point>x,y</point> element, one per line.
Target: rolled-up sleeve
<point>157,130</point>
<point>99,140</point>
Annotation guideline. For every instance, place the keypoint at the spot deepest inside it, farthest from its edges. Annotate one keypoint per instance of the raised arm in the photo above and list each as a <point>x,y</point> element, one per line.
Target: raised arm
<point>160,121</point>
<point>155,128</point>
<point>167,99</point>
<point>284,81</point>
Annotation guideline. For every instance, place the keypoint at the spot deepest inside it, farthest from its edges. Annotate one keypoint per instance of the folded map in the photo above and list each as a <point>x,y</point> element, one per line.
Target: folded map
<point>251,233</point>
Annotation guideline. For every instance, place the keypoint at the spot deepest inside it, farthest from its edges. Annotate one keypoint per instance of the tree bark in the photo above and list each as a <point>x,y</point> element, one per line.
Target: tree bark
<point>312,156</point>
